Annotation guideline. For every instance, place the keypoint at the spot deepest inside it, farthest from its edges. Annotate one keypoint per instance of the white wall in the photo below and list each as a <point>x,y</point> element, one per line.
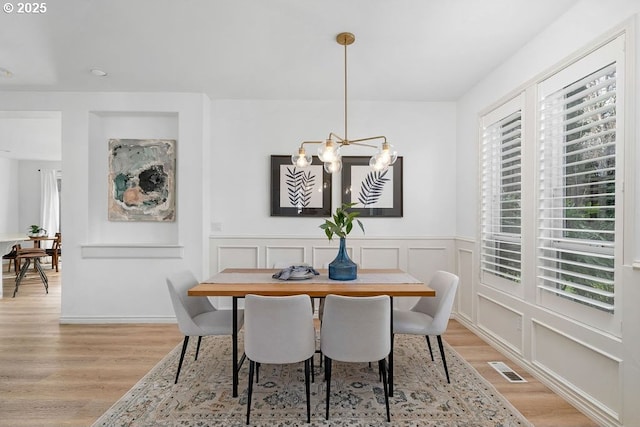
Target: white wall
<point>246,133</point>
<point>598,372</point>
<point>9,196</point>
<point>117,275</point>
<point>9,202</point>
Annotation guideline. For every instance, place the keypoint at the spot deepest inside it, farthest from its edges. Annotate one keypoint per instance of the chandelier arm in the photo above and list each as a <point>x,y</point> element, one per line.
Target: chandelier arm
<point>361,144</point>
<point>371,138</point>
<point>310,142</point>
<point>340,139</point>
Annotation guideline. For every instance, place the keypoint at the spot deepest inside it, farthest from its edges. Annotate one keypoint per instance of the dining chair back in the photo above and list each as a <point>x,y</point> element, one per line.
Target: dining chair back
<point>430,315</point>
<point>12,256</point>
<point>278,330</point>
<point>196,316</point>
<point>55,251</point>
<point>356,329</point>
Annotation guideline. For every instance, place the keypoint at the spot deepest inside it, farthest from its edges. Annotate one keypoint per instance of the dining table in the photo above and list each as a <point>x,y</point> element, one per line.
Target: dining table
<point>37,240</point>
<point>239,282</point>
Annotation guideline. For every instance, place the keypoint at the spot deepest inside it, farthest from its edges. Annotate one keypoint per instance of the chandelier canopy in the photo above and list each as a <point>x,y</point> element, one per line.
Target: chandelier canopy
<point>330,150</point>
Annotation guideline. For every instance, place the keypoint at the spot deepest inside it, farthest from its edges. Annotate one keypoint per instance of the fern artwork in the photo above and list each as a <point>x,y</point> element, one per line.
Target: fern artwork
<point>300,185</point>
<point>372,193</point>
<point>297,191</point>
<point>372,188</point>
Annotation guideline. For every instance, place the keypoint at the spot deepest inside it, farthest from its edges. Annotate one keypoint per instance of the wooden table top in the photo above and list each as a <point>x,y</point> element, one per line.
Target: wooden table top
<point>370,282</point>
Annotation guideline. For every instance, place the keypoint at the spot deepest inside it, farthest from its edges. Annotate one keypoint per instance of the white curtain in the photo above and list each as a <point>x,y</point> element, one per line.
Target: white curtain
<point>50,201</point>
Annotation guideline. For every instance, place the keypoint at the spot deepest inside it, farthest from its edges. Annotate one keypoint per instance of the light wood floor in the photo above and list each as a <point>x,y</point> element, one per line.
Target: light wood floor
<point>68,375</point>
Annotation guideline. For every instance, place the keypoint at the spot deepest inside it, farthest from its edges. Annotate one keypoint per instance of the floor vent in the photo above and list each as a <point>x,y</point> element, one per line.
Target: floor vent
<point>508,373</point>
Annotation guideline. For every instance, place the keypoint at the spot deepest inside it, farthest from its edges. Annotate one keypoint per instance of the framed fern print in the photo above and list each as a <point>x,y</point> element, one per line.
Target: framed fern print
<point>297,191</point>
<point>375,193</point>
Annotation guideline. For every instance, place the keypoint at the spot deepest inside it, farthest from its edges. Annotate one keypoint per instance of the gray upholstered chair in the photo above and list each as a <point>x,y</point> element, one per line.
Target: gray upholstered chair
<point>278,330</point>
<point>196,316</point>
<point>356,329</point>
<point>430,315</point>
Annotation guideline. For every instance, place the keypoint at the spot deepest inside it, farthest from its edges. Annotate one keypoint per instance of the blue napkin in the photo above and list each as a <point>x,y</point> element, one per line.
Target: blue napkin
<point>295,270</point>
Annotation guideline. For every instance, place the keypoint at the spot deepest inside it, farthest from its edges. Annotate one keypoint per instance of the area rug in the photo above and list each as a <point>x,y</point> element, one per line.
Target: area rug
<point>422,396</point>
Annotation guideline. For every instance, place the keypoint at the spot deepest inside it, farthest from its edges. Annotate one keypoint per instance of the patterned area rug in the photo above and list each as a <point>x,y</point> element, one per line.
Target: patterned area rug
<point>422,396</point>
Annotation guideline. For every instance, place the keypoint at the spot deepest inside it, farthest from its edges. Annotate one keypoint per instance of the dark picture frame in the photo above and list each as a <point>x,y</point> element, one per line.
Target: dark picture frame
<point>377,194</point>
<point>309,187</point>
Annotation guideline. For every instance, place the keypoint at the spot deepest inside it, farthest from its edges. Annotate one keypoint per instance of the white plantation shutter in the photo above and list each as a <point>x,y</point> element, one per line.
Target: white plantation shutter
<point>501,197</point>
<point>578,182</point>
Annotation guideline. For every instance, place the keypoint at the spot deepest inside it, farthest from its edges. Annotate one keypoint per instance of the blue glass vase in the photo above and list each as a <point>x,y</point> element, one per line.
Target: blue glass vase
<point>342,268</point>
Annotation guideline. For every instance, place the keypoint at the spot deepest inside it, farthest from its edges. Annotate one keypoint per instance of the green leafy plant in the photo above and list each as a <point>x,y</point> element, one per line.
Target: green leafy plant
<point>36,229</point>
<point>342,223</point>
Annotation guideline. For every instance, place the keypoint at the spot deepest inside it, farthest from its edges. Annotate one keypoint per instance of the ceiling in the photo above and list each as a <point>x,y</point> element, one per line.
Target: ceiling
<point>405,50</point>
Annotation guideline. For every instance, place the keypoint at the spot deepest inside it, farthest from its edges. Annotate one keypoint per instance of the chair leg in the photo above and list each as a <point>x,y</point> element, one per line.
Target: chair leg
<point>429,345</point>
<point>257,373</point>
<point>42,274</point>
<point>23,271</point>
<point>307,386</point>
<point>382,366</point>
<point>198,347</point>
<point>184,348</point>
<point>327,378</point>
<point>444,360</point>
<point>313,374</point>
<point>252,365</point>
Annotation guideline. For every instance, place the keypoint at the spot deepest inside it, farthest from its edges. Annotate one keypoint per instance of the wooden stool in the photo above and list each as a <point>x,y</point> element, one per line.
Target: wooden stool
<point>28,255</point>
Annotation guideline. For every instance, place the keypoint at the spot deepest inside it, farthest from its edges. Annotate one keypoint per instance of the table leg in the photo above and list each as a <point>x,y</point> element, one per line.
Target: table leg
<point>234,335</point>
<point>391,354</point>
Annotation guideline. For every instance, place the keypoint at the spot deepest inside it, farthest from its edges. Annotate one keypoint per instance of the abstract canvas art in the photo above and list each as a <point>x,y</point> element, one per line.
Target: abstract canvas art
<point>142,180</point>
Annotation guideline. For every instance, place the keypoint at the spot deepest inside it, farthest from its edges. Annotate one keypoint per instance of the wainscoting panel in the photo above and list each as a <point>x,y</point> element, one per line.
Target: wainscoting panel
<point>501,322</point>
<point>421,257</point>
<point>377,257</point>
<point>578,365</point>
<point>285,254</point>
<point>323,255</point>
<point>423,262</point>
<point>237,257</point>
<point>465,287</point>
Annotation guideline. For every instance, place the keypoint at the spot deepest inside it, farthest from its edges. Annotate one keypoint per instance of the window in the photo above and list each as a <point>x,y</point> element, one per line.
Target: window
<point>501,194</point>
<point>578,182</point>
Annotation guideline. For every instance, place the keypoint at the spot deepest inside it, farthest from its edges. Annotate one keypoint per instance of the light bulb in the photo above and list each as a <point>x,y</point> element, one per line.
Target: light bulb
<point>332,167</point>
<point>301,159</point>
<point>329,151</point>
<point>388,153</point>
<point>378,163</point>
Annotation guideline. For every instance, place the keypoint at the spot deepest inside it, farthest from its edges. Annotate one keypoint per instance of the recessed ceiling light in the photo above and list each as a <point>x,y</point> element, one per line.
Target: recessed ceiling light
<point>98,72</point>
<point>5,73</point>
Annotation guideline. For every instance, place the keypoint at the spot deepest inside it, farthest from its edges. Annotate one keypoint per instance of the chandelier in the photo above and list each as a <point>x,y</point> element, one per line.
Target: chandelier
<point>330,149</point>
